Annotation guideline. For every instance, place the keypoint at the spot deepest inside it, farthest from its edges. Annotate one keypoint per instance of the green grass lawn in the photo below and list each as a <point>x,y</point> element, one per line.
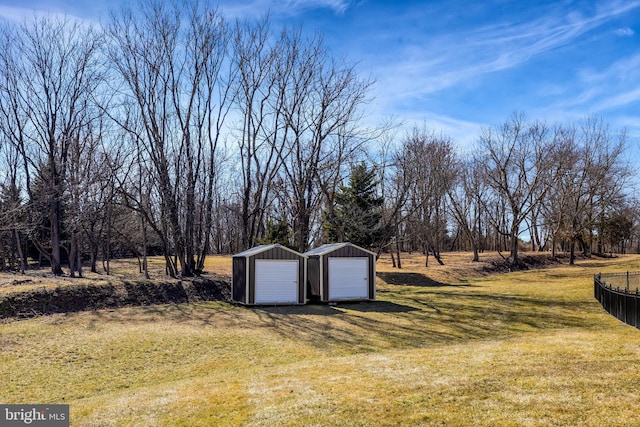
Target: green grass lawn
<point>529,348</point>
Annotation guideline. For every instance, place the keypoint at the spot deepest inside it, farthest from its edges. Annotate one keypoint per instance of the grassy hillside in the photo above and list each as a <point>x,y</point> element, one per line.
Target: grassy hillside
<point>448,345</point>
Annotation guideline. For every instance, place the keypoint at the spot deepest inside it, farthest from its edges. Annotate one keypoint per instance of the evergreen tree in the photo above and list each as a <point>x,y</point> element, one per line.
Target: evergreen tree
<point>357,213</point>
<point>277,232</point>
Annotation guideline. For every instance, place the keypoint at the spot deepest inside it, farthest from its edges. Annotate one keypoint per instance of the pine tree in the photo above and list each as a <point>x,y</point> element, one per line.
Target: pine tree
<point>277,232</point>
<point>357,214</point>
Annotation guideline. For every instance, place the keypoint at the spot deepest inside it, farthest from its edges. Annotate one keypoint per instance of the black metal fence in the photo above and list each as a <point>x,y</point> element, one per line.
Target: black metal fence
<point>619,294</point>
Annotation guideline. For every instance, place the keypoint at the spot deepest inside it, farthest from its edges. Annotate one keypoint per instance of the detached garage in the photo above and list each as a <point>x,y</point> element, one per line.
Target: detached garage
<point>341,272</point>
<point>269,275</point>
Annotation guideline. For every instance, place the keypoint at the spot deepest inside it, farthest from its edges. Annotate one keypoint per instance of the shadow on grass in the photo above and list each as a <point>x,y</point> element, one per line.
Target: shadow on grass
<point>404,317</point>
<point>429,317</point>
<point>309,309</point>
<point>331,309</point>
<point>415,279</point>
<point>378,307</point>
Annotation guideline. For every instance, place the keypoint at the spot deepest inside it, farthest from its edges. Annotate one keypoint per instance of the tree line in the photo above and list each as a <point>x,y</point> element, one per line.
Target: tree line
<point>563,187</point>
<point>170,130</point>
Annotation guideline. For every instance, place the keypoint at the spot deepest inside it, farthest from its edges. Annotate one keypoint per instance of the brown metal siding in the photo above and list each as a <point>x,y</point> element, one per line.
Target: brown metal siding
<point>276,253</point>
<point>239,281</point>
<point>301,280</point>
<point>347,252</point>
<point>313,278</point>
<point>302,268</point>
<point>372,277</point>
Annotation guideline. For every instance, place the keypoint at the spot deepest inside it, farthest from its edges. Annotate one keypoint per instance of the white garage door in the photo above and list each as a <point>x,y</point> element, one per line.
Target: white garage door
<point>276,281</point>
<point>348,278</point>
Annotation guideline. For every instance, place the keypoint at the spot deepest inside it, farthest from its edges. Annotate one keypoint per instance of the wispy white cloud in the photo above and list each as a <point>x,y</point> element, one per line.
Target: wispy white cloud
<point>630,124</point>
<point>625,32</point>
<point>463,132</point>
<point>417,72</point>
<point>286,8</point>
<point>22,14</point>
<point>16,14</point>
<point>623,69</point>
<point>338,6</point>
<point>612,93</point>
<point>468,55</point>
<point>612,87</point>
<point>413,77</point>
<point>619,100</point>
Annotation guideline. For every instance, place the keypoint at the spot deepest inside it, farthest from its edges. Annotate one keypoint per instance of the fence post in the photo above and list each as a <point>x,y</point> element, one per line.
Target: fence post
<point>635,311</point>
<point>627,280</point>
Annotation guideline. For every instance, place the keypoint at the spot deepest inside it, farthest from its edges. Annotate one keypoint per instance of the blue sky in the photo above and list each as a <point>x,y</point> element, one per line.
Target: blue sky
<point>460,65</point>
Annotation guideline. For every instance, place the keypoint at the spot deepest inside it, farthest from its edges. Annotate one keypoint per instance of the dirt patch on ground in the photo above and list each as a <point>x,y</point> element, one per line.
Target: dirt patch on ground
<point>527,262</point>
<point>79,297</point>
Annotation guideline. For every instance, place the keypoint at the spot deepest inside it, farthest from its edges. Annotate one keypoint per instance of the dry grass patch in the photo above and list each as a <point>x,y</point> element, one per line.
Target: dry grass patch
<point>438,347</point>
<point>123,269</point>
<point>218,264</point>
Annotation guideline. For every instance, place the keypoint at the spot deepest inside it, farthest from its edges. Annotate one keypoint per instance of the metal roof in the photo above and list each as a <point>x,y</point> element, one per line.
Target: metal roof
<point>330,247</point>
<point>261,248</point>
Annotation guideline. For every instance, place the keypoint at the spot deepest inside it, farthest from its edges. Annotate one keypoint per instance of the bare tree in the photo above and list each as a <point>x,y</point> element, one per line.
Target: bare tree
<point>170,61</point>
<point>515,164</point>
<point>554,208</point>
<point>394,190</point>
<point>465,201</point>
<point>13,211</point>
<point>321,101</point>
<point>260,143</point>
<point>590,184</point>
<point>51,73</point>
<point>14,120</point>
<point>428,165</point>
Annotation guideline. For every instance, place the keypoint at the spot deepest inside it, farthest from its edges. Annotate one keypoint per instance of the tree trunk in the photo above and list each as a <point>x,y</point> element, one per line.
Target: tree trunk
<point>425,251</point>
<point>56,267</point>
<point>23,259</point>
<point>436,255</point>
<point>106,255</point>
<point>93,249</point>
<point>515,256</point>
<point>572,252</point>
<point>145,266</point>
<point>74,265</point>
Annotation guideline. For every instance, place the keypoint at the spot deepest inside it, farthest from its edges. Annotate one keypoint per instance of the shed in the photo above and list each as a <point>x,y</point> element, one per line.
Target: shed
<point>341,272</point>
<point>269,275</point>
